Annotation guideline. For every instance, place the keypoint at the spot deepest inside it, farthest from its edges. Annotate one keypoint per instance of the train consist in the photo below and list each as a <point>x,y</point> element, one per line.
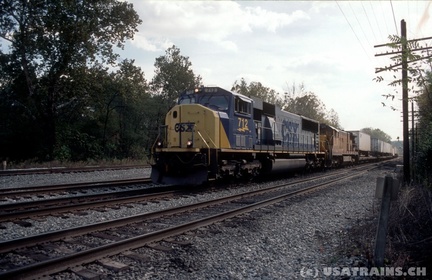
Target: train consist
<point>214,133</point>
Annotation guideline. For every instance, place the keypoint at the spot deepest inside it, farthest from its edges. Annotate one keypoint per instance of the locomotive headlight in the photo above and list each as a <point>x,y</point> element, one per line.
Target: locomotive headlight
<point>189,144</point>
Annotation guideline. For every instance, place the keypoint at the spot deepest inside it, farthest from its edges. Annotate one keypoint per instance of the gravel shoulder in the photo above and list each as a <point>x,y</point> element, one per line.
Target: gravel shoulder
<point>285,241</point>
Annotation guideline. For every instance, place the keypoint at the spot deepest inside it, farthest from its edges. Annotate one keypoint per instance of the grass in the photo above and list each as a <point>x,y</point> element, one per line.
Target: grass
<point>409,232</point>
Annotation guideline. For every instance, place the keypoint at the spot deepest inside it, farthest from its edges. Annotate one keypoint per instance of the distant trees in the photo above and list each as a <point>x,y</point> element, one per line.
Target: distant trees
<point>296,100</point>
<point>258,90</point>
<point>306,103</point>
<point>377,133</point>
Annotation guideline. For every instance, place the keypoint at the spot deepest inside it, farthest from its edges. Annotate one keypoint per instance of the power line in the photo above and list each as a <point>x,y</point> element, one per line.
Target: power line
<point>367,17</point>
<point>385,21</point>
<point>352,29</point>
<point>376,20</point>
<point>394,18</point>
<point>360,25</point>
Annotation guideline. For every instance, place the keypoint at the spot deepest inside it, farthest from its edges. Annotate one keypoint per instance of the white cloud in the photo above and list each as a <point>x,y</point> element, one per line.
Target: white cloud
<point>218,22</point>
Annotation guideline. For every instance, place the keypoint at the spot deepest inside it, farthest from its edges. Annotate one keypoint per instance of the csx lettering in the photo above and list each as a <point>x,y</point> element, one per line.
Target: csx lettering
<point>290,131</point>
<point>183,127</point>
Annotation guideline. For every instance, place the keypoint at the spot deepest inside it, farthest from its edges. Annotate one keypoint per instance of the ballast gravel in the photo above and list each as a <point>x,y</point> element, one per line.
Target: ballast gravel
<point>294,239</point>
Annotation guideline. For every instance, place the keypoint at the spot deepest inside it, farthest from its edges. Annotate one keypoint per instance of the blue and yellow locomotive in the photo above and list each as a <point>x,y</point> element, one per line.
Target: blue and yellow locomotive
<point>213,133</point>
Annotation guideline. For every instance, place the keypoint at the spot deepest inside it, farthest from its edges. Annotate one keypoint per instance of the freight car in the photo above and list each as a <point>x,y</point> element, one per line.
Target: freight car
<point>362,143</point>
<point>214,133</point>
<point>380,148</point>
<point>370,148</point>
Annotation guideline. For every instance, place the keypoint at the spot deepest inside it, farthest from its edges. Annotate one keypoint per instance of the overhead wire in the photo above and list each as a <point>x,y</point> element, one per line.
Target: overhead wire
<point>360,25</point>
<point>352,29</point>
<point>376,20</point>
<point>367,17</point>
<point>394,18</point>
<point>383,14</point>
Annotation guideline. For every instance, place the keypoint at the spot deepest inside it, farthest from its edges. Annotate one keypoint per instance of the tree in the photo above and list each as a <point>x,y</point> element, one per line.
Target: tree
<point>299,101</point>
<point>52,43</point>
<point>119,104</point>
<point>332,118</point>
<point>424,142</point>
<point>307,105</point>
<point>258,90</point>
<point>173,75</point>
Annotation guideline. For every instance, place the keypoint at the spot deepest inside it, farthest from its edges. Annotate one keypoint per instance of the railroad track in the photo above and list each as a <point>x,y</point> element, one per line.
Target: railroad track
<point>31,209</point>
<point>50,170</point>
<point>31,190</point>
<point>122,235</point>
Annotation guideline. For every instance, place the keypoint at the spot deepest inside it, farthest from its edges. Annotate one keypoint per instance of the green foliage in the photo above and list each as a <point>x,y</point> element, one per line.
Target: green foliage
<point>415,67</point>
<point>299,101</point>
<point>54,48</point>
<point>173,74</point>
<point>258,90</point>
<point>424,142</point>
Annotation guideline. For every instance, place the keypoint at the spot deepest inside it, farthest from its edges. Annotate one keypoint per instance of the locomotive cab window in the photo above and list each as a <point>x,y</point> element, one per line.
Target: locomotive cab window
<point>215,102</point>
<point>187,99</point>
<point>242,106</point>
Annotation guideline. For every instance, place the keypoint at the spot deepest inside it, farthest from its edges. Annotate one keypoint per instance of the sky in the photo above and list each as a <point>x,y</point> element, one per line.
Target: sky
<point>326,45</point>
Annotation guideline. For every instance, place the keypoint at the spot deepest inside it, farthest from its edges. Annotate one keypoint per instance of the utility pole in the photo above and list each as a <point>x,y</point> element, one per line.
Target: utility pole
<point>413,146</point>
<point>406,152</point>
<point>404,64</point>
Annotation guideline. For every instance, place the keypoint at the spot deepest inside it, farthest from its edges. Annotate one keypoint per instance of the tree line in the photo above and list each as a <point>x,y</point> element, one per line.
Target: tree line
<point>66,95</point>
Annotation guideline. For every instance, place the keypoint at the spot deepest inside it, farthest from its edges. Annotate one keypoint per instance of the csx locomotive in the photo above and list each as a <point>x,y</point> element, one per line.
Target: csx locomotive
<point>214,133</point>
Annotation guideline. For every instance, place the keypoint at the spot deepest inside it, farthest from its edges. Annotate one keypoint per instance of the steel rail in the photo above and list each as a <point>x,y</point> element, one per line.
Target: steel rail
<point>74,207</point>
<point>68,200</point>
<point>61,263</point>
<point>5,192</point>
<point>49,170</point>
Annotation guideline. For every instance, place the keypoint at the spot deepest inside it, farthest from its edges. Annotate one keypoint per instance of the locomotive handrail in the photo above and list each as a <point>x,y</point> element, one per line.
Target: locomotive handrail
<point>211,140</point>
<point>202,138</point>
<point>205,142</point>
<point>158,136</point>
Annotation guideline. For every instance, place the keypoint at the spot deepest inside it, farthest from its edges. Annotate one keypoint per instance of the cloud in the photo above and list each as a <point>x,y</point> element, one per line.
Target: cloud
<point>218,22</point>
